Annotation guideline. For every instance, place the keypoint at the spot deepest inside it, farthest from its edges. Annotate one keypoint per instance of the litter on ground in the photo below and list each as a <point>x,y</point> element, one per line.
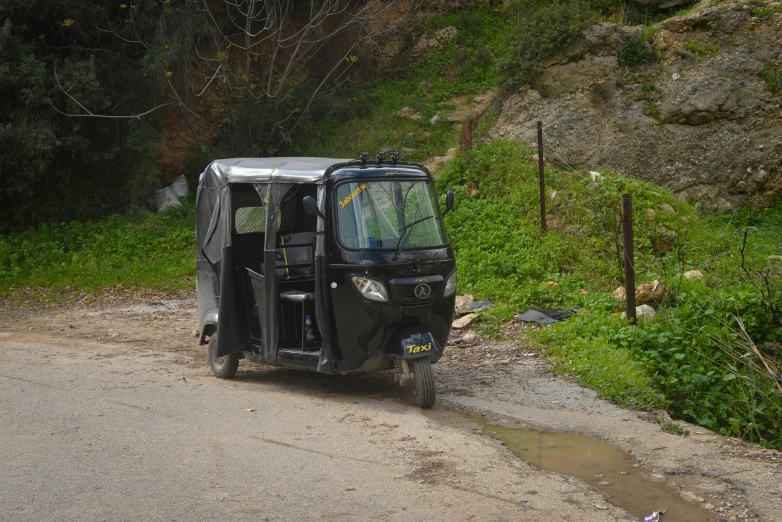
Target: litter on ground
<point>545,316</point>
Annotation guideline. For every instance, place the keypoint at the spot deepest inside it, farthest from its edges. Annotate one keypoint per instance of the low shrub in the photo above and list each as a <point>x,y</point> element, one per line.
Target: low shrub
<point>652,110</point>
<point>138,249</point>
<point>636,51</point>
<point>773,77</point>
<point>601,92</point>
<point>766,11</point>
<point>697,49</point>
<point>543,28</point>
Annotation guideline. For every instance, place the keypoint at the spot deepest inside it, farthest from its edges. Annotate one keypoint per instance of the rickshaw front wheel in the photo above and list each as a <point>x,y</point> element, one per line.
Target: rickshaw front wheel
<point>223,367</point>
<point>423,376</point>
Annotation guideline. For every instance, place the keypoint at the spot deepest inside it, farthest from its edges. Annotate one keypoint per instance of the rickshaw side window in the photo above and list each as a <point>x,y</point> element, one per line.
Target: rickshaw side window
<point>249,219</point>
<point>249,214</point>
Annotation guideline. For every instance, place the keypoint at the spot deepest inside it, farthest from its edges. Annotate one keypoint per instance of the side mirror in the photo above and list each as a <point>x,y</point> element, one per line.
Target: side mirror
<point>311,207</point>
<point>448,202</point>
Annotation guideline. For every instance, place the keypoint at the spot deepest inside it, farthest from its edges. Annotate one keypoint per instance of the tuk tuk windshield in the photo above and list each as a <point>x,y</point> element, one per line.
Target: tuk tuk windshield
<point>388,214</point>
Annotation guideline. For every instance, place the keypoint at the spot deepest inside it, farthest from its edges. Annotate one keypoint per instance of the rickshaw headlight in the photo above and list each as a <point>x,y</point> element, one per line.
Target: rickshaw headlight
<point>370,288</point>
<point>450,285</point>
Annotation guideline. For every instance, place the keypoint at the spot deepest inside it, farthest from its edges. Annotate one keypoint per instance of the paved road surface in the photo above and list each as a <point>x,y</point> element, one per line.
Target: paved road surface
<point>96,431</point>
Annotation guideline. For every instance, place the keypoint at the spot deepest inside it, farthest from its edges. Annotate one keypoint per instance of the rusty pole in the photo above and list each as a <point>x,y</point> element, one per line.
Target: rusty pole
<point>627,233</point>
<point>542,178</point>
<point>467,136</point>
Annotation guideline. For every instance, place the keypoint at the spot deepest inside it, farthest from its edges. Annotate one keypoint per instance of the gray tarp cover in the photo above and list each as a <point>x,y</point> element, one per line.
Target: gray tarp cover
<point>545,316</point>
<point>272,177</point>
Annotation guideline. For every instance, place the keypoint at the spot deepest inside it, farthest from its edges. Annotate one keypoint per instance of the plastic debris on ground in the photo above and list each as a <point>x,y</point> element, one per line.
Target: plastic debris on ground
<point>464,321</point>
<point>474,307</point>
<point>654,517</point>
<point>545,316</point>
<point>169,196</point>
<point>467,309</point>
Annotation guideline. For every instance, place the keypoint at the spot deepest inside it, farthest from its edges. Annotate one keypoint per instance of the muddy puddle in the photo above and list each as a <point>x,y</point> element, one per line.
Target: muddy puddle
<point>604,467</point>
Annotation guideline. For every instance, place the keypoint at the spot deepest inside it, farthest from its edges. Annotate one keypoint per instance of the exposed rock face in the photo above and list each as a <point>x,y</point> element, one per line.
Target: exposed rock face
<point>663,4</point>
<point>435,43</point>
<point>701,122</point>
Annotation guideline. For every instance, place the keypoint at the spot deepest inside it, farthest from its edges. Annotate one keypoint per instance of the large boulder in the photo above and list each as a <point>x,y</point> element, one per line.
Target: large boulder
<point>645,312</point>
<point>653,293</point>
<point>605,39</point>
<point>700,99</point>
<point>663,240</point>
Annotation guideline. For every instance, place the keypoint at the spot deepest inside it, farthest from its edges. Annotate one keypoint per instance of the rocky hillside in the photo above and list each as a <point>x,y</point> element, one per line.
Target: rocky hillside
<point>693,104</point>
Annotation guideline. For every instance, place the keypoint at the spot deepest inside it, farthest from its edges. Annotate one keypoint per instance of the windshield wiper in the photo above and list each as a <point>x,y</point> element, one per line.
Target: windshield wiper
<point>405,234</point>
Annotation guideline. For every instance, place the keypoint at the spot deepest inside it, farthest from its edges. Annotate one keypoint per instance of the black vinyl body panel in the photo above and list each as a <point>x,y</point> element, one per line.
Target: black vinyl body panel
<point>368,334</point>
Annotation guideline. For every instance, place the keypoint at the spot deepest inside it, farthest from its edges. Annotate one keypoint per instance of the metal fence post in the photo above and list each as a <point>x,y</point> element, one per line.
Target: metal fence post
<point>627,234</point>
<point>542,178</point>
<point>467,135</point>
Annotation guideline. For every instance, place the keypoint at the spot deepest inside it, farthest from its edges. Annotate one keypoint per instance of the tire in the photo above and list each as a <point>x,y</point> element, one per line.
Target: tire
<point>223,367</point>
<point>423,376</point>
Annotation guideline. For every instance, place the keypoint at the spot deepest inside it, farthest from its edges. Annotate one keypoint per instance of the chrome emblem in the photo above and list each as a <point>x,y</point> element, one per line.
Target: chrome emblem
<point>422,291</point>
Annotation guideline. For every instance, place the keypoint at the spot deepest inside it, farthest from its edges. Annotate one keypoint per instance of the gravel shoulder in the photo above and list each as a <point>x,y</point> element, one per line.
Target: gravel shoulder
<point>506,382</point>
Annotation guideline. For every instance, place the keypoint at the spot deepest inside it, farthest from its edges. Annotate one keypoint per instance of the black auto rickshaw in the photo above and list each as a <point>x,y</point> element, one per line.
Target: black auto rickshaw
<point>328,265</point>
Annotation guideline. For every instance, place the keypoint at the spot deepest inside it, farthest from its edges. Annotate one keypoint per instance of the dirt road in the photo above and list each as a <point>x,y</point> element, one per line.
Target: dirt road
<point>109,413</point>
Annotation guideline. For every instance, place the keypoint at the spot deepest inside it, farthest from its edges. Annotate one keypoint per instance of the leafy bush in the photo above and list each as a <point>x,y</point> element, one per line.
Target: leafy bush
<point>543,28</point>
<point>693,356</point>
<point>636,51</point>
<point>55,167</point>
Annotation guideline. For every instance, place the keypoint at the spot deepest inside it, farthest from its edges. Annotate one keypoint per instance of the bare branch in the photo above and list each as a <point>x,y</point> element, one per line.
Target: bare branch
<point>91,115</point>
<point>112,116</point>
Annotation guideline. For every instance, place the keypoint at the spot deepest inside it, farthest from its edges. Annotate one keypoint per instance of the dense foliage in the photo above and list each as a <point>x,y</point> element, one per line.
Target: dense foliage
<point>52,166</point>
<point>542,29</point>
<point>637,51</point>
<point>104,101</point>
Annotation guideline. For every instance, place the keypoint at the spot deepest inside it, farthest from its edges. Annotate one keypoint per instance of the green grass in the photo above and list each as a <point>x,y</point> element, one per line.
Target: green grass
<point>766,11</point>
<point>691,360</point>
<point>587,355</point>
<point>135,250</point>
<point>693,47</point>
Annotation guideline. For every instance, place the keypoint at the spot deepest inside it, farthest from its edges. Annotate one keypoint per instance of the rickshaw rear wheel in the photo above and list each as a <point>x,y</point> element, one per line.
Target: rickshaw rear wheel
<point>423,376</point>
<point>223,367</point>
